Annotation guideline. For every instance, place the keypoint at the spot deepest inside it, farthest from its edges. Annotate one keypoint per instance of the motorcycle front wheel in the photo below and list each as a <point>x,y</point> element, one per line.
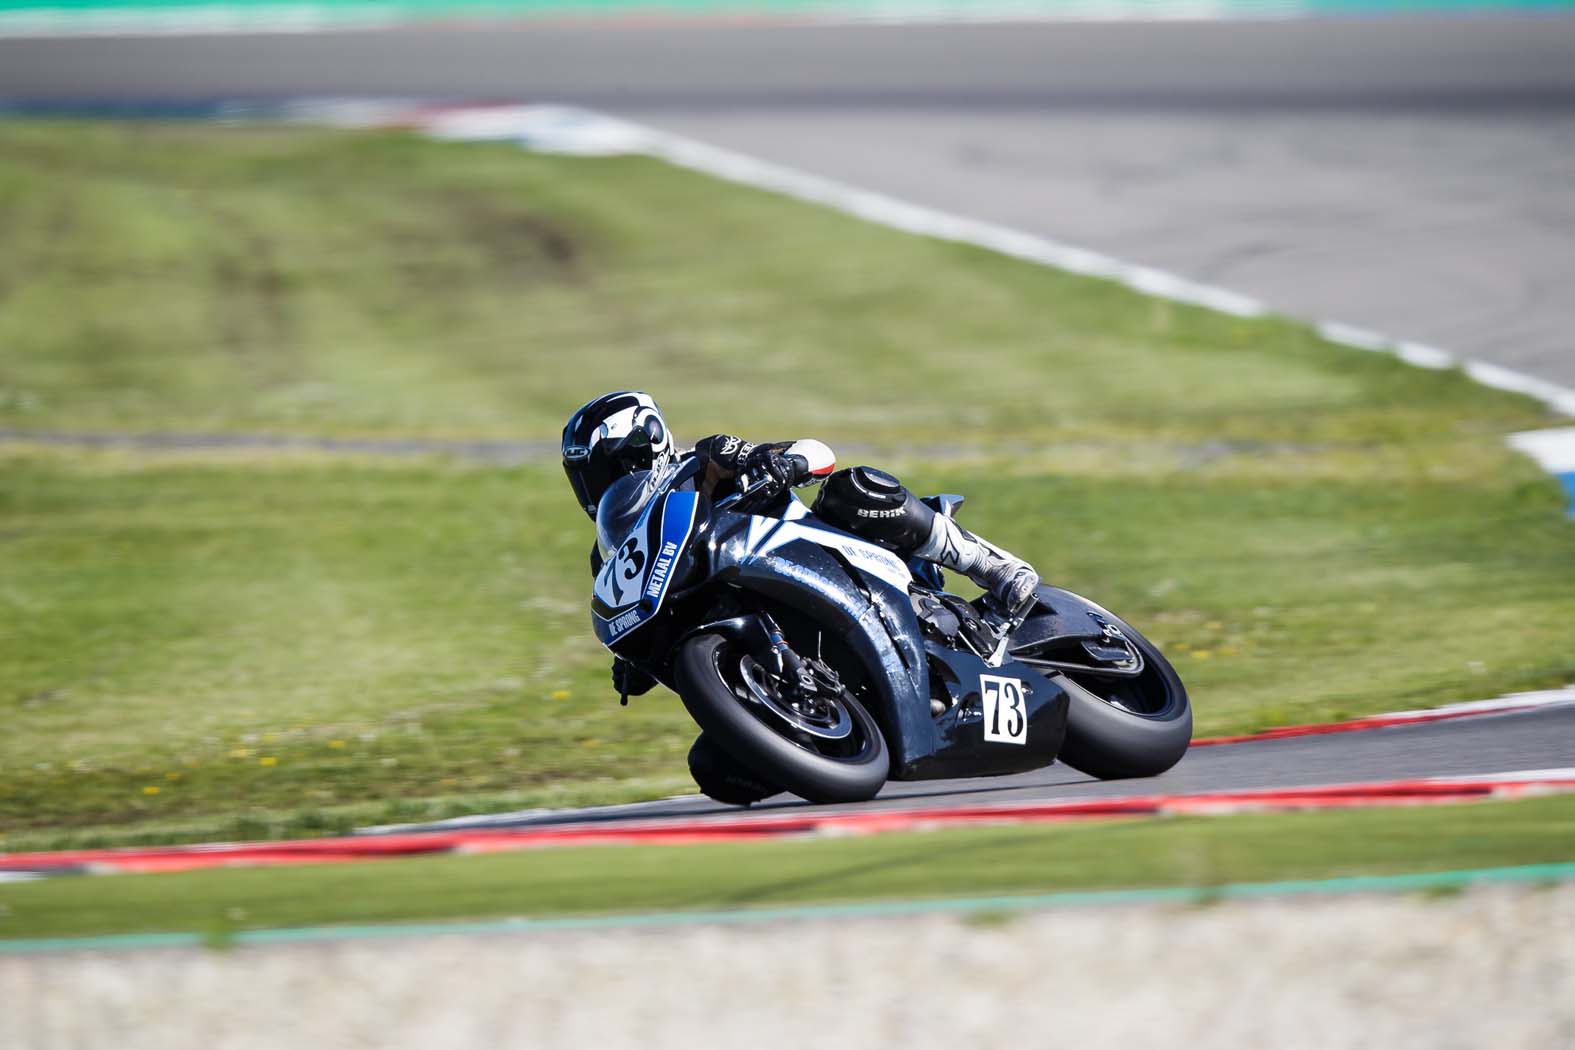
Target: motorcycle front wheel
<point>824,749</point>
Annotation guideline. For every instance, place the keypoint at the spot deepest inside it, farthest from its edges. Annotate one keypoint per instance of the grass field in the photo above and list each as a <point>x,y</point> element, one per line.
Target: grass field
<point>237,644</point>
<point>1196,852</point>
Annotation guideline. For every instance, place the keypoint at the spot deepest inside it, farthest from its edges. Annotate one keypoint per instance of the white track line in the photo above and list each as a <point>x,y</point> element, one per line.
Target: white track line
<point>1514,703</point>
<point>561,129</point>
<point>1511,702</point>
<point>1554,449</point>
<point>1528,776</point>
<point>558,129</point>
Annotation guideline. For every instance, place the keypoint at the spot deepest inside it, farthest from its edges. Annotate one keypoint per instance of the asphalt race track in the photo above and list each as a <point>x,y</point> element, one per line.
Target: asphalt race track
<point>1415,177</point>
<point>1530,740</point>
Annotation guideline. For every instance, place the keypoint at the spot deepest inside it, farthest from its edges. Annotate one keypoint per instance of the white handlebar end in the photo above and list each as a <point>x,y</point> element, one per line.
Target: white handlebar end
<point>822,461</point>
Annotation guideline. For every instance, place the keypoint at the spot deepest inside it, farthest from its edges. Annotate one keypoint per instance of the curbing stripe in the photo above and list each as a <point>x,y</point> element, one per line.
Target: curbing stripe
<point>1503,705</point>
<point>683,831</point>
<point>1411,882</point>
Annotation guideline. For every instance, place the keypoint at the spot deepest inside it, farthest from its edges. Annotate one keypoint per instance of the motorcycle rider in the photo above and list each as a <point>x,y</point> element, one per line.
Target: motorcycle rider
<point>617,434</point>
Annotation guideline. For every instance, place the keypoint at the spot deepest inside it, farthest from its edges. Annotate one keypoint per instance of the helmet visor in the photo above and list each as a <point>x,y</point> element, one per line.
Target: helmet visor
<point>589,475</point>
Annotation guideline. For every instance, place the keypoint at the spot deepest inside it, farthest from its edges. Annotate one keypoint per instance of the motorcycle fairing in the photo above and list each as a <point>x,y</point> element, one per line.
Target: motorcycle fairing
<point>806,577</point>
<point>810,568</point>
<point>1075,632</point>
<point>962,748</point>
<point>769,534</point>
<point>635,580</point>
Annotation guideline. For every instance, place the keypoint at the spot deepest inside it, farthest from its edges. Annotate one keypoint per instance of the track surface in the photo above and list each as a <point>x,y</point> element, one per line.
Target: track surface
<point>1417,177</point>
<point>1488,744</point>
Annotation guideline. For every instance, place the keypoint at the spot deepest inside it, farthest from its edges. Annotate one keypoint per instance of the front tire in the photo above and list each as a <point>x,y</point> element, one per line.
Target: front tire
<point>723,689</point>
<point>723,778</point>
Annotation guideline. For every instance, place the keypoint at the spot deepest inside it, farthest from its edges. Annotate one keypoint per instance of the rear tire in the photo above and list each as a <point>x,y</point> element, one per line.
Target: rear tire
<point>702,672</point>
<point>1143,738</point>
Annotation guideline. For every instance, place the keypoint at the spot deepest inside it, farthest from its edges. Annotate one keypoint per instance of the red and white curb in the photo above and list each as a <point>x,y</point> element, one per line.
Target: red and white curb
<point>468,835</point>
<point>1503,705</point>
<point>807,823</point>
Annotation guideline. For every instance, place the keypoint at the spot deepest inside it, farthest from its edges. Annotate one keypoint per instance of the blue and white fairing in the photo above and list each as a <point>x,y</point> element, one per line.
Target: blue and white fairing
<point>856,591</point>
<point>860,592</point>
<point>768,535</point>
<point>635,580</point>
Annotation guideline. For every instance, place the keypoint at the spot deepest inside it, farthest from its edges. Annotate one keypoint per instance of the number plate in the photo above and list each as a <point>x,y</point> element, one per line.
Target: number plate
<point>1005,709</point>
<point>623,577</point>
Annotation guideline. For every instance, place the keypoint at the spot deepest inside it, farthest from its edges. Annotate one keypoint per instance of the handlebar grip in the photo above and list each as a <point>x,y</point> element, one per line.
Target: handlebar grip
<point>748,491</point>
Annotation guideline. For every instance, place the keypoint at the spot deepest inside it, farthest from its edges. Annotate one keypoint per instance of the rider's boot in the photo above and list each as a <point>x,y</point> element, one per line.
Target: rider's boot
<point>1010,579</point>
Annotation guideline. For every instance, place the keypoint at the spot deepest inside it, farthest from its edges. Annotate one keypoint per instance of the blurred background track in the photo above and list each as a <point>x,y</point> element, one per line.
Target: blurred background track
<point>1410,175</point>
<point>1368,62</point>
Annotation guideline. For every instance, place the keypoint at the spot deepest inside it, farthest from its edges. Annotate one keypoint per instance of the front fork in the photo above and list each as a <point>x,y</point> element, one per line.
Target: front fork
<point>807,678</point>
<point>763,637</point>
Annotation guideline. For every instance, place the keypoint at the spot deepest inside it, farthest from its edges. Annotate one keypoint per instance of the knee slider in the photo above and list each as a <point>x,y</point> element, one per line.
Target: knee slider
<point>859,494</point>
<point>875,505</point>
<point>869,488</point>
<point>877,485</point>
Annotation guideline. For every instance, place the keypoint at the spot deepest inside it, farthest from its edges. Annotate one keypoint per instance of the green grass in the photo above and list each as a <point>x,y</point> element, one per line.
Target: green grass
<point>1197,852</point>
<point>178,277</point>
<point>244,644</point>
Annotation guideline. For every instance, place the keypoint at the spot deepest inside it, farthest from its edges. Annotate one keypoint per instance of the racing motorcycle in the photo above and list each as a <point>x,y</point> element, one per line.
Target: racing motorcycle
<point>825,664</point>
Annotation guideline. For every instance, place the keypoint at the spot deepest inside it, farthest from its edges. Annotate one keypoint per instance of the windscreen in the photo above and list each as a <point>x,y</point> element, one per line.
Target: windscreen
<point>620,507</point>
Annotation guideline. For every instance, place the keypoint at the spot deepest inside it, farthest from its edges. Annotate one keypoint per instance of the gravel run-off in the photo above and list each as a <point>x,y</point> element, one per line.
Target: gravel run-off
<point>1486,967</point>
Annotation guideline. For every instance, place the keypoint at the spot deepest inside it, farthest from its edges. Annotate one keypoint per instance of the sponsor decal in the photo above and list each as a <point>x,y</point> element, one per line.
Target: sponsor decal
<point>646,576</point>
<point>623,569</point>
<point>732,450</point>
<point>624,621</point>
<point>879,561</point>
<point>662,473</point>
<point>664,562</point>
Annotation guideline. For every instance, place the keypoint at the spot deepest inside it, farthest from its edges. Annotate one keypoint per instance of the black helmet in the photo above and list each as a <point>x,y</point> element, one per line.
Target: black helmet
<point>611,437</point>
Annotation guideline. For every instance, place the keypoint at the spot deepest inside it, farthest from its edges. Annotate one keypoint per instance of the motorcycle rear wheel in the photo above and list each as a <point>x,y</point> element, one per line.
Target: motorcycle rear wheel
<point>1118,728</point>
<point>742,707</point>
